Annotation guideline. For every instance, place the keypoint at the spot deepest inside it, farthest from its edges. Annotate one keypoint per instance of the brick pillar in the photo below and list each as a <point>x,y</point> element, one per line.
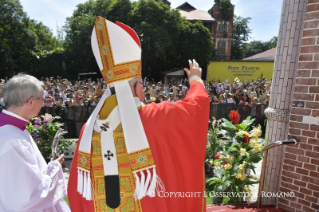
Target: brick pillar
<point>285,67</point>
<point>301,165</point>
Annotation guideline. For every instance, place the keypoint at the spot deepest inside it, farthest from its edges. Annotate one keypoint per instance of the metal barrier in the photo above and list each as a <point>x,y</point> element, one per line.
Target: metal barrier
<point>74,117</point>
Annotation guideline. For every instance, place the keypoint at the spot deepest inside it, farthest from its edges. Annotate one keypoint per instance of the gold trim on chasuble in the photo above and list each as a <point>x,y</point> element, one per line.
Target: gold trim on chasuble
<point>113,72</point>
<point>127,179</point>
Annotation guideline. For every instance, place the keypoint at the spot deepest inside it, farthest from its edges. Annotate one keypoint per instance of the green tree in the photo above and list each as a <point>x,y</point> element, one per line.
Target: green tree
<point>167,40</point>
<point>241,33</point>
<point>255,47</point>
<point>21,40</point>
<point>79,28</point>
<point>272,43</point>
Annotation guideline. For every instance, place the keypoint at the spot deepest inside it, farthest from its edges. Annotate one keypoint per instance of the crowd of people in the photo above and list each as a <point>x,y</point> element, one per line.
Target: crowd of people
<point>60,93</point>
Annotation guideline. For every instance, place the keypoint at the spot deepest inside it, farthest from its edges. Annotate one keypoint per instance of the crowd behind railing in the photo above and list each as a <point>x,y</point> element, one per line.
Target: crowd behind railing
<point>75,101</point>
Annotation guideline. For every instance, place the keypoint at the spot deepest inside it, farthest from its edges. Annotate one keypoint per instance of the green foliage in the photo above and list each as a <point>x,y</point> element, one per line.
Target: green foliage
<point>43,129</point>
<point>167,40</point>
<point>232,163</point>
<point>21,38</point>
<point>241,33</point>
<point>255,47</point>
<point>226,13</point>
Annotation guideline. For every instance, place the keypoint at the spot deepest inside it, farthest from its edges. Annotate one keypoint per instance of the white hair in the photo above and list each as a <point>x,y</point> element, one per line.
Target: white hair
<point>20,88</point>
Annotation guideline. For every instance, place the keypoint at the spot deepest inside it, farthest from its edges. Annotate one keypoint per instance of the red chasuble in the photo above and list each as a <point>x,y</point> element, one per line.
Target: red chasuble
<point>177,134</point>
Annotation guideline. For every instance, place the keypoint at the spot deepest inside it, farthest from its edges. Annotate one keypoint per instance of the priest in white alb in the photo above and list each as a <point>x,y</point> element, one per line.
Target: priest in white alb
<point>27,182</point>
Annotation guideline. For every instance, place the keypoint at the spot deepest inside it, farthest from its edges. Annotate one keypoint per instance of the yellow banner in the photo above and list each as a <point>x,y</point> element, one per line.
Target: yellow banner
<point>243,70</point>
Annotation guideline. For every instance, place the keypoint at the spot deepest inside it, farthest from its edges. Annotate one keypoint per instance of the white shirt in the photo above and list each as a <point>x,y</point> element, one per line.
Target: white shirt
<point>2,102</point>
<point>27,183</point>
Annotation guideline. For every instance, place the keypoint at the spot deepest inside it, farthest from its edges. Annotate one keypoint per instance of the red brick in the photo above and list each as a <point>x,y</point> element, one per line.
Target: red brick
<point>302,171</point>
<point>299,125</point>
<point>317,98</point>
<point>314,161</point>
<point>315,113</point>
<point>296,118</point>
<point>314,174</point>
<point>301,89</point>
<point>309,24</point>
<point>309,133</point>
<point>305,81</point>
<point>313,187</point>
<point>308,49</point>
<point>314,127</point>
<point>293,131</point>
<point>299,194</point>
<point>316,148</point>
<point>303,159</point>
<point>312,1</point>
<point>291,174</point>
<point>303,73</point>
<point>312,7</point>
<point>308,41</point>
<point>310,33</point>
<point>286,179</point>
<point>312,105</point>
<point>315,206</point>
<point>285,207</point>
<point>305,146</point>
<point>312,16</point>
<point>300,183</point>
<point>313,141</point>
<point>316,57</point>
<point>303,202</point>
<point>300,111</point>
<point>305,57</point>
<point>311,199</point>
<point>290,156</point>
<point>295,150</point>
<point>316,194</point>
<point>284,201</point>
<point>314,72</point>
<point>312,154</point>
<point>307,209</point>
<point>288,168</point>
<point>295,205</point>
<point>309,167</point>
<point>305,191</point>
<point>308,97</point>
<point>314,89</point>
<point>309,180</point>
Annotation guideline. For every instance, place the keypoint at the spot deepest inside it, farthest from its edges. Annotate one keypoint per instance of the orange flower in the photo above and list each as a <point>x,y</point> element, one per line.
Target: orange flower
<point>234,116</point>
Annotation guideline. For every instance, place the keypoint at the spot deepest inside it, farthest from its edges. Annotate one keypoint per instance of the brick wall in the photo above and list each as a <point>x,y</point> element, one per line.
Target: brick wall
<point>300,172</point>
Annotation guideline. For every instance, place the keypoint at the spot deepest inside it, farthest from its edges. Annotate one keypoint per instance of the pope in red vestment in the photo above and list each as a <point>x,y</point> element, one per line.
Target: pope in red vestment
<point>113,172</point>
<point>177,135</point>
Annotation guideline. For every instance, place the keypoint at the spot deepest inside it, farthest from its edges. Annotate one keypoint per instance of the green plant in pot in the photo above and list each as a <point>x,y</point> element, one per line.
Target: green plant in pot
<point>232,164</point>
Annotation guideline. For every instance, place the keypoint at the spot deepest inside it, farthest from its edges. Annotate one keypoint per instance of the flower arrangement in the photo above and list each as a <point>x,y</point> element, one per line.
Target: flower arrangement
<point>234,159</point>
<point>43,129</point>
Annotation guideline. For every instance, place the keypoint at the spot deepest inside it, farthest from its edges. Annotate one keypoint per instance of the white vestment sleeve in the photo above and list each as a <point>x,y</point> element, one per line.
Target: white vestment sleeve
<point>23,186</point>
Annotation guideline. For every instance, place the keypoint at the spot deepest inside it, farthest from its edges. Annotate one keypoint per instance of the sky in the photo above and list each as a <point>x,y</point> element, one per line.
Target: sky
<point>264,23</point>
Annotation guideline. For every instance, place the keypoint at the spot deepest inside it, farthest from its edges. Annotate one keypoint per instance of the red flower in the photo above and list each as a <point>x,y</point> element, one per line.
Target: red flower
<point>246,139</point>
<point>217,156</point>
<point>234,116</point>
<point>225,162</point>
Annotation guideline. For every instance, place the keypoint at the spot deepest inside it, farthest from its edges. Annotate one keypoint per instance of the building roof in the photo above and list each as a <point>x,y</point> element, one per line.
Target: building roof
<point>196,15</point>
<point>186,7</point>
<point>266,55</point>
